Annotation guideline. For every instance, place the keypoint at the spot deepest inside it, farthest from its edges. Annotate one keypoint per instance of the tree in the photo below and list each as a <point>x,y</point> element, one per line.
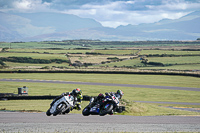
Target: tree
<point>4,49</point>
<point>2,63</point>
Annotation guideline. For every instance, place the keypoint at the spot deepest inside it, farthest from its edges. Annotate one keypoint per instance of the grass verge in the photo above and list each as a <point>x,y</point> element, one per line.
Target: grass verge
<point>132,108</point>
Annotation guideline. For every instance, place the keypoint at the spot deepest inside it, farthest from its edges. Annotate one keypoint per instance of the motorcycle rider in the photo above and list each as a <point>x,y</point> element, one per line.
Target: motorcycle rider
<point>118,94</point>
<point>101,96</point>
<point>77,93</point>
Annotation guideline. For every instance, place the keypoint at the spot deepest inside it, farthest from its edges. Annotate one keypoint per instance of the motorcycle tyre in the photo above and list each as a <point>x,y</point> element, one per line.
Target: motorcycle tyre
<point>87,112</point>
<point>48,112</point>
<point>106,111</point>
<point>66,112</point>
<point>58,111</point>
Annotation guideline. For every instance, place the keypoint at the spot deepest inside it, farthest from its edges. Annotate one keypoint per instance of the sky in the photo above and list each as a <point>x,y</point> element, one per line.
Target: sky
<point>110,13</point>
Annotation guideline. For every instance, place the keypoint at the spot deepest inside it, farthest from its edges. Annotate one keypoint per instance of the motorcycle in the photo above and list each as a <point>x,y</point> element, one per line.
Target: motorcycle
<point>61,105</point>
<point>107,106</point>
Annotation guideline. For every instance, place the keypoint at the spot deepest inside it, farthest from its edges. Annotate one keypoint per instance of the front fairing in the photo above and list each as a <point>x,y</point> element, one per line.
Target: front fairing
<point>112,99</point>
<point>68,100</point>
<point>95,109</point>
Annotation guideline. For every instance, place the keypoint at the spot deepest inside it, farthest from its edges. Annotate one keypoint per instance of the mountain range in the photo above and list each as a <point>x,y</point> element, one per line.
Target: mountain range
<point>58,26</point>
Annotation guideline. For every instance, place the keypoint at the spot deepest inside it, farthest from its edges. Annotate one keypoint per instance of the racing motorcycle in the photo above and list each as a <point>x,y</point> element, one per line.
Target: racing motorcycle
<point>61,105</point>
<point>107,106</point>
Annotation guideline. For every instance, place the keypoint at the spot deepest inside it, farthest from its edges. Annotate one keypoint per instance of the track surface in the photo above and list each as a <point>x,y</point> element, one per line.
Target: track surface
<point>39,122</point>
<point>102,84</point>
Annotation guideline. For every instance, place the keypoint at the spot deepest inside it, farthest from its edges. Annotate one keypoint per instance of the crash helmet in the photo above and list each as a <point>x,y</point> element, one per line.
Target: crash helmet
<point>101,95</point>
<point>76,91</point>
<point>120,92</point>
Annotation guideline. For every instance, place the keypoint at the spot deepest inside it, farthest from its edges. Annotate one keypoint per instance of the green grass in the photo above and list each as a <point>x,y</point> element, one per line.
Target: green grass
<point>30,45</point>
<point>175,60</point>
<point>162,80</point>
<point>134,109</point>
<point>191,68</point>
<point>117,52</point>
<point>92,45</point>
<point>34,55</point>
<point>130,93</point>
<point>32,66</point>
<point>132,62</point>
<point>49,51</point>
<point>135,94</point>
<point>143,109</point>
<point>179,63</point>
<point>160,52</point>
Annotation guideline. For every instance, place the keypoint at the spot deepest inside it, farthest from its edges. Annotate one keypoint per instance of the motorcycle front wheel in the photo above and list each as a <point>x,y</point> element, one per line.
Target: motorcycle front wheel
<point>106,109</point>
<point>59,109</point>
<point>48,112</point>
<point>86,111</point>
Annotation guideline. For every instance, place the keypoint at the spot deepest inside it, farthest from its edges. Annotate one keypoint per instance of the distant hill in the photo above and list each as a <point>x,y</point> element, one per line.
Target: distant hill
<point>59,21</point>
<point>57,26</point>
<point>185,28</point>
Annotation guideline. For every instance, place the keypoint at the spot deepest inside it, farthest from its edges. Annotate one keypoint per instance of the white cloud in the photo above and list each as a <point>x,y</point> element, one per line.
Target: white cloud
<point>110,13</point>
<point>22,5</point>
<point>115,13</point>
<point>25,6</point>
<point>176,5</point>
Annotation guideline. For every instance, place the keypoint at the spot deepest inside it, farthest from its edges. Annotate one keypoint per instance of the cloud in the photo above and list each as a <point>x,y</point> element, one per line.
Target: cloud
<point>24,6</point>
<point>115,13</point>
<point>176,5</point>
<point>110,13</point>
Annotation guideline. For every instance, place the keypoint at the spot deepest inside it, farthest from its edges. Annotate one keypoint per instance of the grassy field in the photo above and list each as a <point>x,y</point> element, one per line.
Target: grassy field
<point>176,52</point>
<point>129,60</point>
<point>131,93</point>
<point>176,60</point>
<point>125,58</point>
<point>162,80</point>
<point>34,55</point>
<point>135,109</point>
<point>42,51</point>
<point>98,44</point>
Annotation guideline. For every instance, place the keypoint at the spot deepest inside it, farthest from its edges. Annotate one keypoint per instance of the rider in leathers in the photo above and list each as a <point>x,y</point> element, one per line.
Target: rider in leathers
<point>77,93</point>
<point>101,96</point>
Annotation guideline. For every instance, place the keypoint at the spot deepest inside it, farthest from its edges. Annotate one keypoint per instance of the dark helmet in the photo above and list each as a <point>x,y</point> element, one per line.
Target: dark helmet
<point>120,92</point>
<point>76,91</point>
<point>101,95</point>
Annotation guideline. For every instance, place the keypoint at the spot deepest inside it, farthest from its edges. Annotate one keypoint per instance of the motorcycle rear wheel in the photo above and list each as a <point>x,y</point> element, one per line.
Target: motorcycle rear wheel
<point>107,110</point>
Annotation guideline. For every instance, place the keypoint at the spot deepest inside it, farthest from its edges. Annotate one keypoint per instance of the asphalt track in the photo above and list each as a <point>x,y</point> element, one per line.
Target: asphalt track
<point>39,122</point>
<point>102,84</point>
<point>109,84</point>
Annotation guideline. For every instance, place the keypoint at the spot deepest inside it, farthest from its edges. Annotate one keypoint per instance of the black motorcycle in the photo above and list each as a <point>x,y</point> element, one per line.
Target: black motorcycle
<point>107,106</point>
